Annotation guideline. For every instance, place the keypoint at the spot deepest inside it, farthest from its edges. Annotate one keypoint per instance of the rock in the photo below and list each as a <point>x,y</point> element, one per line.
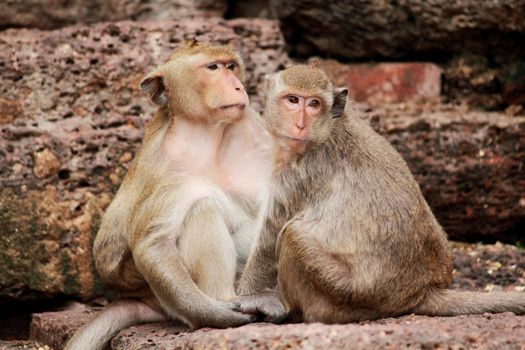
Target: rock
<point>402,29</point>
<point>46,163</point>
<point>469,165</point>
<point>9,110</point>
<point>22,345</point>
<point>487,331</point>
<point>413,332</point>
<point>55,328</point>
<point>507,264</point>
<point>45,15</point>
<point>483,267</point>
<point>71,119</point>
<point>394,82</point>
<point>474,80</point>
<point>514,83</point>
<point>250,8</point>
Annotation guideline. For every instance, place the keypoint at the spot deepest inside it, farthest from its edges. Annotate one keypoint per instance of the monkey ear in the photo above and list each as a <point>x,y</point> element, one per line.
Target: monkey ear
<point>339,104</point>
<point>267,81</point>
<point>153,85</point>
<point>191,42</point>
<point>315,62</point>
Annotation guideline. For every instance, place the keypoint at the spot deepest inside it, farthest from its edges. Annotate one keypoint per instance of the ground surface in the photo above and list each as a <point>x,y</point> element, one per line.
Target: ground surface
<point>480,267</point>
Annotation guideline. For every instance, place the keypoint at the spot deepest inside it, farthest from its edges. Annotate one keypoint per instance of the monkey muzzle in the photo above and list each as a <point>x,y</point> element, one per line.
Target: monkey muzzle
<point>241,106</point>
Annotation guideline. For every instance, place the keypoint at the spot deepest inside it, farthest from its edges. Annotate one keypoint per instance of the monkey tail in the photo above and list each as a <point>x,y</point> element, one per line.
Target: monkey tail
<point>446,302</point>
<point>119,315</point>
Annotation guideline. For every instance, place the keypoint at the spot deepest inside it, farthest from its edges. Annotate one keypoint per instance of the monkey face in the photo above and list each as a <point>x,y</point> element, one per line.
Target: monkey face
<point>301,107</point>
<point>218,79</point>
<point>200,82</point>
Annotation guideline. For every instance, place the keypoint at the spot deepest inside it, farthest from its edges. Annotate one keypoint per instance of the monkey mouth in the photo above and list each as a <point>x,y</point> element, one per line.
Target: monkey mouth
<point>235,105</point>
<point>296,139</point>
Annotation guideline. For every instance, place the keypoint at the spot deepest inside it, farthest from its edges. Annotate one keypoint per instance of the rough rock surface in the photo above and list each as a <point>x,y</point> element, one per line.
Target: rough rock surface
<point>22,345</point>
<point>45,14</point>
<point>410,332</point>
<point>71,119</point>
<point>491,267</point>
<point>399,29</point>
<point>469,165</point>
<point>485,83</point>
<point>413,332</point>
<point>476,267</point>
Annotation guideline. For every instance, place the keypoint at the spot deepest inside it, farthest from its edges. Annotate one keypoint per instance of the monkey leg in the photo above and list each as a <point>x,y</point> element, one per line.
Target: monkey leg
<point>315,284</point>
<point>208,251</point>
<point>175,281</point>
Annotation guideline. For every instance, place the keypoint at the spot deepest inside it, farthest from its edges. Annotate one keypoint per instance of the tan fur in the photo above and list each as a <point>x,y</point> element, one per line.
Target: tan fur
<point>347,235</point>
<point>180,228</point>
<point>305,79</point>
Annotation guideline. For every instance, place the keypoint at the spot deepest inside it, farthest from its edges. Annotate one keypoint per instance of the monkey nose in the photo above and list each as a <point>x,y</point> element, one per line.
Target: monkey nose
<point>236,84</point>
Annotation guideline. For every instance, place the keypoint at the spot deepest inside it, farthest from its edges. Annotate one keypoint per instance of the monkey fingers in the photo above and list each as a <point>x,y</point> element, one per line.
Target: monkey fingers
<point>268,304</point>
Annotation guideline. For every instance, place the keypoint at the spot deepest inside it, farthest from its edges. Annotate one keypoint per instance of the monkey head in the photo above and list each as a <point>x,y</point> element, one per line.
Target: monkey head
<point>302,106</point>
<point>200,82</point>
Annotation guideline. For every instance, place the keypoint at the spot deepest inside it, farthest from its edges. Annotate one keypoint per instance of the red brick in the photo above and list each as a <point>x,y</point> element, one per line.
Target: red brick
<point>393,82</point>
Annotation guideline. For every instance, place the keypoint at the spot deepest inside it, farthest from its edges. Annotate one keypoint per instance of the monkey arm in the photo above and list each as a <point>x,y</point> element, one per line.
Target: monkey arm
<point>179,296</point>
<point>260,272</point>
<point>191,268</point>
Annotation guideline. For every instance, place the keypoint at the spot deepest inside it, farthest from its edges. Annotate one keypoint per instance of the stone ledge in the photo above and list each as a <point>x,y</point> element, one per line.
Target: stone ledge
<point>486,331</point>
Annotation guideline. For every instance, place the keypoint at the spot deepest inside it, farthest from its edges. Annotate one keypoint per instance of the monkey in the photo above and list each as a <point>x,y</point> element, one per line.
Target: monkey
<point>180,228</point>
<point>346,234</point>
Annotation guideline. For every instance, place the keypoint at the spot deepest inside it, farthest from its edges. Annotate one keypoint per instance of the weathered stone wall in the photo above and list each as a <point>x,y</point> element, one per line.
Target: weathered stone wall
<point>50,14</point>
<point>401,29</point>
<point>469,165</point>
<point>71,119</point>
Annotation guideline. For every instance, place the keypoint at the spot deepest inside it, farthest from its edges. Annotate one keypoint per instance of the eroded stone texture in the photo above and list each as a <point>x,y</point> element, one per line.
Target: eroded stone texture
<point>45,14</point>
<point>22,345</point>
<point>469,165</point>
<point>491,267</point>
<point>55,328</point>
<point>400,29</point>
<point>411,332</point>
<point>71,119</point>
<point>483,82</point>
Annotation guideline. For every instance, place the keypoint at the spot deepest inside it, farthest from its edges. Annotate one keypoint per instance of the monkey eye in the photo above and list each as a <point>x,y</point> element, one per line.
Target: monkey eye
<point>293,99</point>
<point>315,104</point>
<point>212,66</point>
<point>231,66</point>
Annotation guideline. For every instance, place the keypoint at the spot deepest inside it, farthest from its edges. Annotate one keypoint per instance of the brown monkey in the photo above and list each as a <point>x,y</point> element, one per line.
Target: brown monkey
<point>181,225</point>
<point>347,234</point>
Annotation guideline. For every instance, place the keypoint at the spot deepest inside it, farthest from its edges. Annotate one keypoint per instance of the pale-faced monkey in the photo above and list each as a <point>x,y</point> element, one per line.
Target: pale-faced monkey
<point>347,235</point>
<point>181,225</point>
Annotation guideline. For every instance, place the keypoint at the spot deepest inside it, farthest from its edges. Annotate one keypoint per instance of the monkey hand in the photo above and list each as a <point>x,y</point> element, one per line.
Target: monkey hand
<point>226,315</point>
<point>266,304</point>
